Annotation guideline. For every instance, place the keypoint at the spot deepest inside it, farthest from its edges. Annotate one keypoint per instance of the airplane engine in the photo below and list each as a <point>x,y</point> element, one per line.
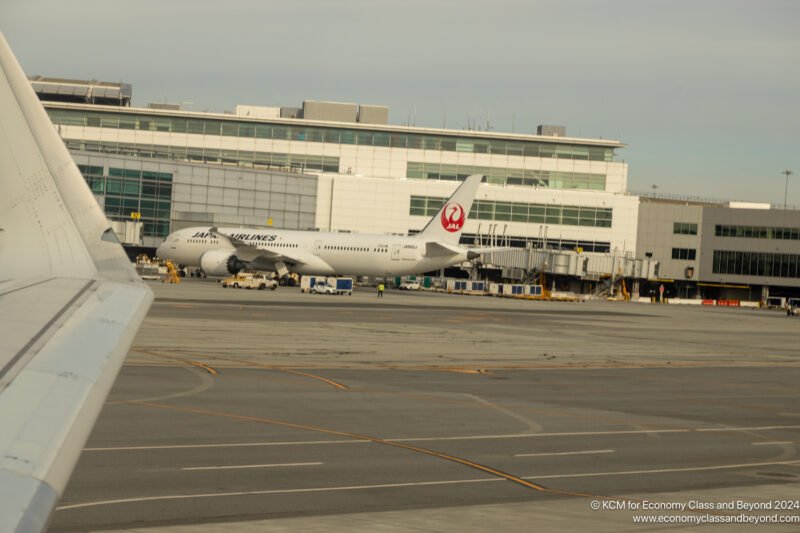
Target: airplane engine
<point>221,263</point>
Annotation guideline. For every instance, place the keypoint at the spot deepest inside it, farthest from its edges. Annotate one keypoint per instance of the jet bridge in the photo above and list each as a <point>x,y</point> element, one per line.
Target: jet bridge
<point>521,263</point>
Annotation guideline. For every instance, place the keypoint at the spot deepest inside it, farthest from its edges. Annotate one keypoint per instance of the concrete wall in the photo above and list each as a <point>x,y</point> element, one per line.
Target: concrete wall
<point>373,114</point>
<point>330,111</point>
<point>656,236</point>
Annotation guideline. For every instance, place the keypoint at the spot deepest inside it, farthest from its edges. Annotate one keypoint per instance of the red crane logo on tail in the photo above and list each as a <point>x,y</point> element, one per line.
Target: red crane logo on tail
<point>453,217</point>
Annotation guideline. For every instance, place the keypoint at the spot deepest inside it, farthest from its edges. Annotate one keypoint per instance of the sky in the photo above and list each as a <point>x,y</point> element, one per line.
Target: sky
<point>704,93</point>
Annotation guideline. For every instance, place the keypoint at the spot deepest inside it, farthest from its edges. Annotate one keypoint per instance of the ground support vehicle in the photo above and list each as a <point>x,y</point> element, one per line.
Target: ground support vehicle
<point>260,282</point>
<point>329,285</point>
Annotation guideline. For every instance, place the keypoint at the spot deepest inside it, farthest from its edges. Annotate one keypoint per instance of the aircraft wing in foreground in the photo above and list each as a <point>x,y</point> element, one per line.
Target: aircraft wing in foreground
<point>70,306</point>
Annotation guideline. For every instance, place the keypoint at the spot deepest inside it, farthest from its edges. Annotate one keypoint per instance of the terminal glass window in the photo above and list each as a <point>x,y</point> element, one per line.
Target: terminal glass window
<point>684,228</point>
<point>760,264</point>
<point>507,176</point>
<point>195,126</point>
<point>520,212</point>
<point>249,128</point>
<point>241,158</point>
<point>128,191</point>
<point>684,253</point>
<point>94,178</point>
<point>537,243</point>
<point>757,232</point>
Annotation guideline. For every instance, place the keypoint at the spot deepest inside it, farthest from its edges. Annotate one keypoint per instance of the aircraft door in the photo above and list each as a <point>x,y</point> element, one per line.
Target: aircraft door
<point>317,247</point>
<point>395,252</point>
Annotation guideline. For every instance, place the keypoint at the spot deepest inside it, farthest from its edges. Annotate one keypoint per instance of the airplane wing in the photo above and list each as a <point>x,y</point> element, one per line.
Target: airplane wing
<point>255,255</point>
<point>70,306</point>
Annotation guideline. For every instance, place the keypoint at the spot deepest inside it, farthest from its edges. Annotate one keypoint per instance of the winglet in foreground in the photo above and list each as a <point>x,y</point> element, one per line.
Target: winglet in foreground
<point>70,306</point>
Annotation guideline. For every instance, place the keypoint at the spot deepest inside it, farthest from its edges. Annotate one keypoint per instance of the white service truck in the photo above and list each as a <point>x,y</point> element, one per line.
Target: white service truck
<point>326,285</point>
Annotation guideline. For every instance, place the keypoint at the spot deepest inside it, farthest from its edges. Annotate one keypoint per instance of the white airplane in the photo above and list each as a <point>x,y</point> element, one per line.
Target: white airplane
<point>70,305</point>
<point>224,251</point>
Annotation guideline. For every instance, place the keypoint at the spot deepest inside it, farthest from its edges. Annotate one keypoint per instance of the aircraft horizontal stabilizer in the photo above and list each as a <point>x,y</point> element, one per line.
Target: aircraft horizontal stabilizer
<point>472,253</point>
<point>439,249</point>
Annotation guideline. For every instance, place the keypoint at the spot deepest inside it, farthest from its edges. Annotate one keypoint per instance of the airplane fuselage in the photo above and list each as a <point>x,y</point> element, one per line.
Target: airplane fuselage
<point>318,253</point>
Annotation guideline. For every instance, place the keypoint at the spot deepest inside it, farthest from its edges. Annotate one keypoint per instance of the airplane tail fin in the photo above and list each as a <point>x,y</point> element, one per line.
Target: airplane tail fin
<point>446,225</point>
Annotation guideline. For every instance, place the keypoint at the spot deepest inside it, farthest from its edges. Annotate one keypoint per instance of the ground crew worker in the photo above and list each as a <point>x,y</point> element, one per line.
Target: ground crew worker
<point>380,290</point>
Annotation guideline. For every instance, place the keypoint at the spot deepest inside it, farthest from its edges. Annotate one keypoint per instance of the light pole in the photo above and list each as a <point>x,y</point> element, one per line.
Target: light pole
<point>788,173</point>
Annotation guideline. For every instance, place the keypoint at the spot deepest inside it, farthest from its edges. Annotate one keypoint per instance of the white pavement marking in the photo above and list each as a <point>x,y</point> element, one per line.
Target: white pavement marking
<point>262,492</point>
<point>666,470</point>
<point>530,425</point>
<point>585,452</point>
<point>234,467</point>
<point>536,435</point>
<point>416,484</point>
<point>463,437</point>
<point>777,442</point>
<point>755,428</point>
<point>225,445</point>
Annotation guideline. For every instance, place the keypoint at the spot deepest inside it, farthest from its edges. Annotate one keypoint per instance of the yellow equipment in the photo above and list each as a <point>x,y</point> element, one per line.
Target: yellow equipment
<point>624,289</point>
<point>172,273</point>
<point>543,282</point>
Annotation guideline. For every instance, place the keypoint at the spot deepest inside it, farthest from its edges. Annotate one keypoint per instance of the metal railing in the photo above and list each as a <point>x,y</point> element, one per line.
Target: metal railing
<point>722,202</point>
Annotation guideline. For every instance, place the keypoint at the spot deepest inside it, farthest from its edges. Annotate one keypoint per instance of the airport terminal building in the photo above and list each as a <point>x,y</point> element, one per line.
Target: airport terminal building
<point>250,167</point>
<point>342,167</point>
<point>716,250</point>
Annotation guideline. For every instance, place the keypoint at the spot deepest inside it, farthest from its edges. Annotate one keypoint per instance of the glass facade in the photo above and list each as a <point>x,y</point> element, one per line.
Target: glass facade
<point>773,265</point>
<point>757,232</point>
<point>363,136</point>
<point>684,228</point>
<point>242,158</point>
<point>568,215</point>
<point>470,239</point>
<point>129,191</point>
<point>507,176</point>
<point>689,254</point>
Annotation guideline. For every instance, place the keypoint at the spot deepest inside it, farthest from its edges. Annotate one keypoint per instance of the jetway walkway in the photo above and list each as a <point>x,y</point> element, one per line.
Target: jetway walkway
<point>522,263</point>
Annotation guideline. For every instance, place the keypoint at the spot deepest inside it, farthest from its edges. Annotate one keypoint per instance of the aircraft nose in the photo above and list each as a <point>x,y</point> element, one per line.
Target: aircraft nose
<point>162,251</point>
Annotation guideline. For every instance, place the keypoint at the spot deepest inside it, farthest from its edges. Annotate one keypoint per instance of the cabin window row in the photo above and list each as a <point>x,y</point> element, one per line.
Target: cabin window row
<point>355,249</point>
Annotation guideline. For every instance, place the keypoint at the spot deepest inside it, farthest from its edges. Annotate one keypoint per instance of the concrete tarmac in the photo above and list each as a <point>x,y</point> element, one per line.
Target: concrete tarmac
<point>277,411</point>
